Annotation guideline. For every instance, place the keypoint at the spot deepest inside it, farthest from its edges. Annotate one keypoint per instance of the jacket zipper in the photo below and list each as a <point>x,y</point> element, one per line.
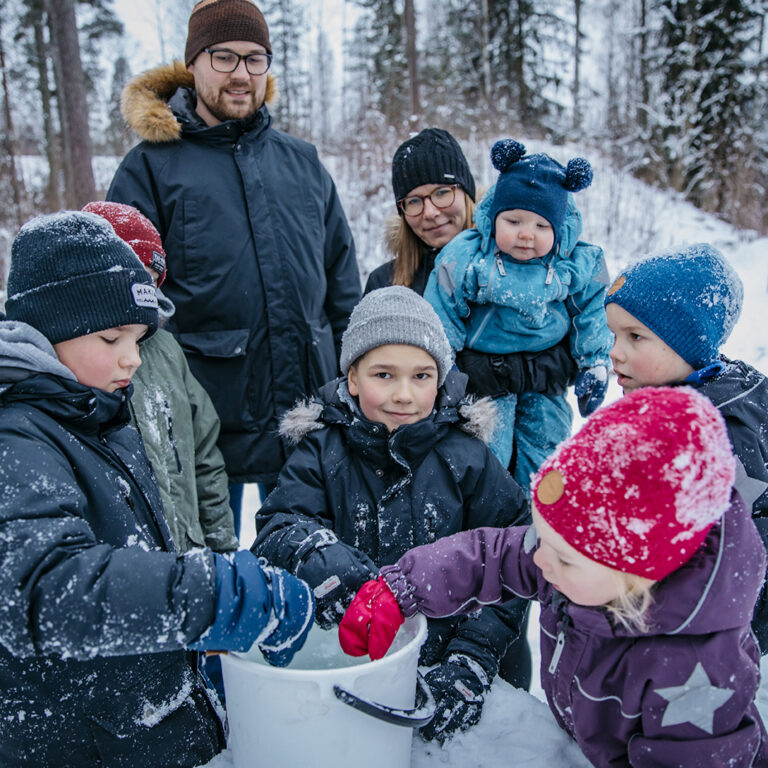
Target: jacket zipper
<point>171,437</point>
<point>559,645</point>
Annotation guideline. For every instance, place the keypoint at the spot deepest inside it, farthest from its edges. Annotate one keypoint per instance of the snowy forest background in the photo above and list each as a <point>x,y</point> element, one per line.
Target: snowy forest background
<point>670,93</point>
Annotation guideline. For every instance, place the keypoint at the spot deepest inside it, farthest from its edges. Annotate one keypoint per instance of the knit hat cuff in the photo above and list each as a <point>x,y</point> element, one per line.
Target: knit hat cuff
<point>684,336</point>
<point>395,315</point>
<point>97,301</point>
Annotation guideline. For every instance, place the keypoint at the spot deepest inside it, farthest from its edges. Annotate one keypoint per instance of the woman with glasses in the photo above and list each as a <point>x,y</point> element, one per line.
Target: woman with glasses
<point>435,198</point>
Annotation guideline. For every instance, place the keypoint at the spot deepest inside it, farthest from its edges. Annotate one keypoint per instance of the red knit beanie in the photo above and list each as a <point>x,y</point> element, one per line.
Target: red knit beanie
<point>137,230</point>
<point>221,21</point>
<point>640,485</point>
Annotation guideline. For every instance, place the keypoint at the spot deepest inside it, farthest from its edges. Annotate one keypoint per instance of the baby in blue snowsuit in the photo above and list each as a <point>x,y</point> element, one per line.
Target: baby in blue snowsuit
<point>520,281</point>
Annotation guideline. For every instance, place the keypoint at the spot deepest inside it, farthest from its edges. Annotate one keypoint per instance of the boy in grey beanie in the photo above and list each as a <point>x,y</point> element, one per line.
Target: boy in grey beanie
<point>388,457</point>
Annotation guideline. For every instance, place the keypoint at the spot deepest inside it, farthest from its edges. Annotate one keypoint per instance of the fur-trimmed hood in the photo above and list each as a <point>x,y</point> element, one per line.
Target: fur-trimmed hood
<point>476,417</point>
<point>145,98</point>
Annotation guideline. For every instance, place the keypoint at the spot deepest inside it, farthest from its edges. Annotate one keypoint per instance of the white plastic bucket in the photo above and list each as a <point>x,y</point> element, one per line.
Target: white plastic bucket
<point>290,717</point>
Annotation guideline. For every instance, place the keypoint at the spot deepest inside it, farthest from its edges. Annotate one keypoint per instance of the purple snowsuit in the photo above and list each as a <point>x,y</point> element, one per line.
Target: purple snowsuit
<point>679,695</point>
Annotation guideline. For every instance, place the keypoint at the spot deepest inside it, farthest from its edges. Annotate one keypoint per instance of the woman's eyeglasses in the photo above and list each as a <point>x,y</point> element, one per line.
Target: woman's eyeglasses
<point>440,197</point>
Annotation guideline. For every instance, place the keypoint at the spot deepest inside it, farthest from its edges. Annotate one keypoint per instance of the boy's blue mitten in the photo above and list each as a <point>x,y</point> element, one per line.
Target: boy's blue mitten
<point>257,604</point>
<point>590,388</point>
<point>458,685</point>
<point>293,608</point>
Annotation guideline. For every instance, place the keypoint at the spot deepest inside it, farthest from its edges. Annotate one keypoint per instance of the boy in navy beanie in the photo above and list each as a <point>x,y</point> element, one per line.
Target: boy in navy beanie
<point>670,314</point>
<point>521,282</point>
<point>95,598</point>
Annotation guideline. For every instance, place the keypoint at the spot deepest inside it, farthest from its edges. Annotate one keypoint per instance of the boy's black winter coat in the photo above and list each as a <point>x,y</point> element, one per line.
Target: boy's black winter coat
<point>740,392</point>
<point>92,672</point>
<point>382,494</point>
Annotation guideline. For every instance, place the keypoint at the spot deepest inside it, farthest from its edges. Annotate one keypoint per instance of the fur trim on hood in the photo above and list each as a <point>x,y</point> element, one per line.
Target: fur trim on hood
<point>144,102</point>
<point>478,419</point>
<point>302,419</point>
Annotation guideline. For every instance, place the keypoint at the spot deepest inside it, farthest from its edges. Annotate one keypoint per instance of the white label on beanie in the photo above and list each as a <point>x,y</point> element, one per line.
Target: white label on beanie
<point>144,295</point>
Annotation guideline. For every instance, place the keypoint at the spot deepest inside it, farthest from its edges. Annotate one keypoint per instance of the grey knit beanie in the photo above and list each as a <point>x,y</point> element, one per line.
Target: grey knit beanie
<point>395,315</point>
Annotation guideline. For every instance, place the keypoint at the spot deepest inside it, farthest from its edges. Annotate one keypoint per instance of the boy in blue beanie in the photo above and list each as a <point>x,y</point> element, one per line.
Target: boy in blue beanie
<point>670,314</point>
<point>520,281</point>
<point>97,607</point>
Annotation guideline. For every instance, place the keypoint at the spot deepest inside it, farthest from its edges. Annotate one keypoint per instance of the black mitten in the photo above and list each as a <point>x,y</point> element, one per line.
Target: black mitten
<point>492,375</point>
<point>458,685</point>
<point>334,570</point>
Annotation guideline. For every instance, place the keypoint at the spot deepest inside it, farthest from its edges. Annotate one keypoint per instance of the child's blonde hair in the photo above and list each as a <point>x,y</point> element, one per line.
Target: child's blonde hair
<point>630,608</point>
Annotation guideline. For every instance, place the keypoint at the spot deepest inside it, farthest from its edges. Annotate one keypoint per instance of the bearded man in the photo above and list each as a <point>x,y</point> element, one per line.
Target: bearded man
<point>261,261</point>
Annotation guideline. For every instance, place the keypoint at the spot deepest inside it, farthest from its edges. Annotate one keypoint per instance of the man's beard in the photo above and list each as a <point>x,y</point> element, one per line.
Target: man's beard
<point>223,111</point>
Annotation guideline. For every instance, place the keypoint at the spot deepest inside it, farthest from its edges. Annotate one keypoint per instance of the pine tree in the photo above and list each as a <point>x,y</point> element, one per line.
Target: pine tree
<point>705,99</point>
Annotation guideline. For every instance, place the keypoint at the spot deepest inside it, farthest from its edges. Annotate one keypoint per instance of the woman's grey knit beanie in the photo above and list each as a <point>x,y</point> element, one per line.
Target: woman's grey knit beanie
<point>395,315</point>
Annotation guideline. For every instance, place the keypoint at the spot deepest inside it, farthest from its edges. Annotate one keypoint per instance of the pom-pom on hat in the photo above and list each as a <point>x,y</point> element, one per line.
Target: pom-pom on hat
<point>71,275</point>
<point>220,21</point>
<point>395,315</point>
<point>689,297</point>
<point>535,182</point>
<point>642,482</point>
<point>137,230</point>
<point>432,156</point>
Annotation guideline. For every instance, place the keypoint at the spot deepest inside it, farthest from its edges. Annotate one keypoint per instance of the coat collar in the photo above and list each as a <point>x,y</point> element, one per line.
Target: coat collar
<point>334,405</point>
<point>83,409</point>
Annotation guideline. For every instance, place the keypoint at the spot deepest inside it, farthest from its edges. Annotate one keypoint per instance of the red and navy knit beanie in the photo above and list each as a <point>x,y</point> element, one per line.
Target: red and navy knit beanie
<point>432,156</point>
<point>137,230</point>
<point>689,297</point>
<point>221,21</point>
<point>640,485</point>
<point>71,275</point>
<point>535,182</point>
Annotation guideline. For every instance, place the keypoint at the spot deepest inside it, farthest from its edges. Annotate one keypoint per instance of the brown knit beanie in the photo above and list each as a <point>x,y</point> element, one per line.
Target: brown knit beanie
<point>219,21</point>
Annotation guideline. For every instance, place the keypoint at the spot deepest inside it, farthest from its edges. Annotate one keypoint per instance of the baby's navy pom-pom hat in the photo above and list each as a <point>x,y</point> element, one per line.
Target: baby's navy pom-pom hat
<point>689,297</point>
<point>71,275</point>
<point>535,182</point>
<point>639,486</point>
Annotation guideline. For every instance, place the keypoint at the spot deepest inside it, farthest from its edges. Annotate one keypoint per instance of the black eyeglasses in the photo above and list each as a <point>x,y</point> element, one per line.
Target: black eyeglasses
<point>224,60</point>
<point>441,197</point>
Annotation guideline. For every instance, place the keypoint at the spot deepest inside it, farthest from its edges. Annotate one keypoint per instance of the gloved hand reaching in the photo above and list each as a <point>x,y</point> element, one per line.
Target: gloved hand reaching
<point>458,685</point>
<point>258,604</point>
<point>371,621</point>
<point>590,388</point>
<point>293,606</point>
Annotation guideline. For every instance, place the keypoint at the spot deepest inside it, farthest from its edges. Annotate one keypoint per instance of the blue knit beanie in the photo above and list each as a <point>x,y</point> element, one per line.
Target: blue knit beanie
<point>689,297</point>
<point>535,182</point>
<point>71,275</point>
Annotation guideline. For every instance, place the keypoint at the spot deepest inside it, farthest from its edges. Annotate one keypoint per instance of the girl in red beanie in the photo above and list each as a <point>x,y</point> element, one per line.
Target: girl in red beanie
<point>647,568</point>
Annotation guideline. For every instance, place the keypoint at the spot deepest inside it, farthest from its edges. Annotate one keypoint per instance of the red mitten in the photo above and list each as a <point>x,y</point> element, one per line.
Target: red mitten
<point>371,621</point>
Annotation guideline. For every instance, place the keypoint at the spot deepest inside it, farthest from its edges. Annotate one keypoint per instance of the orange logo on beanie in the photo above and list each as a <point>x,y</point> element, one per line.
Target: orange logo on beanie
<point>617,285</point>
<point>551,488</point>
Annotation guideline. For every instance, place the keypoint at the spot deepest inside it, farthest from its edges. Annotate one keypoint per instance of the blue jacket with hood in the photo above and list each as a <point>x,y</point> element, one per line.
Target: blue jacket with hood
<point>493,303</point>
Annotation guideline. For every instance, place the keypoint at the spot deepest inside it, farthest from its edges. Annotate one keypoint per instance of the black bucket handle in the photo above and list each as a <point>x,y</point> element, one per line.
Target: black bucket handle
<point>417,717</point>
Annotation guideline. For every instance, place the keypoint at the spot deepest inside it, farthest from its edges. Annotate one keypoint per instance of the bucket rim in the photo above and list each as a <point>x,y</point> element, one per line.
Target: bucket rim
<point>238,659</point>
